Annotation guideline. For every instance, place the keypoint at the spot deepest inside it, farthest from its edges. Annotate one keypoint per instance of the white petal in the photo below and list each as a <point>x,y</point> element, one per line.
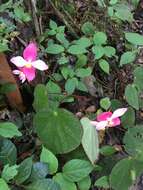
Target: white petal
<point>118,113</point>
<point>101,125</point>
<point>16,72</point>
<point>94,123</point>
<point>39,64</point>
<point>18,61</point>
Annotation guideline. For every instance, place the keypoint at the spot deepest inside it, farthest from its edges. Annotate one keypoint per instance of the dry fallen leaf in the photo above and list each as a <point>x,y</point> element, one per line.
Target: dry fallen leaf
<point>14,97</point>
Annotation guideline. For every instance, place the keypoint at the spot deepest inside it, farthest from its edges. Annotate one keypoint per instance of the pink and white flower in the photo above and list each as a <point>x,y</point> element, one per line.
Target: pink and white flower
<point>109,119</point>
<point>28,64</point>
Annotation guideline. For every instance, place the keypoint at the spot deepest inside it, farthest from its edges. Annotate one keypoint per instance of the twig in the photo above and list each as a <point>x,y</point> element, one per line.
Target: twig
<point>35,18</point>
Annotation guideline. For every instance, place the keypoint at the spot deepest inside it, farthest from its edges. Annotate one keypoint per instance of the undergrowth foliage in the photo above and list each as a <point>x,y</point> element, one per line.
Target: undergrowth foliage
<point>72,148</point>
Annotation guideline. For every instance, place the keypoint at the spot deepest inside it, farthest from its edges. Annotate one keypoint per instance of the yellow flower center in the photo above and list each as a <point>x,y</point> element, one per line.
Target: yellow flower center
<point>28,65</point>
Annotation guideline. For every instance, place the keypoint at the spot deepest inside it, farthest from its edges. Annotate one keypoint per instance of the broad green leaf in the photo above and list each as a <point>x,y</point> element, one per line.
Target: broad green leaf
<point>8,152</point>
<point>123,12</point>
<point>109,51</point>
<point>75,170</point>
<point>127,57</point>
<point>24,170</point>
<point>77,50</point>
<point>107,150</point>
<point>43,184</point>
<point>59,126</point>
<point>104,65</point>
<point>9,172</point>
<point>102,182</point>
<point>71,85</point>
<point>3,185</point>
<point>85,183</point>
<point>138,77</point>
<point>133,140</point>
<point>9,130</point>
<point>128,119</point>
<point>49,158</point>
<point>82,61</point>
<point>128,169</point>
<point>39,171</point>
<point>105,103</point>
<point>83,72</point>
<point>67,72</point>
<point>98,51</point>
<point>81,86</point>
<point>99,38</point>
<point>64,184</point>
<point>131,95</point>
<point>90,140</point>
<point>113,2</point>
<point>84,42</point>
<point>55,49</point>
<point>40,98</point>
<point>53,25</point>
<point>88,28</point>
<point>61,38</point>
<point>134,38</point>
<point>63,60</point>
<point>21,15</point>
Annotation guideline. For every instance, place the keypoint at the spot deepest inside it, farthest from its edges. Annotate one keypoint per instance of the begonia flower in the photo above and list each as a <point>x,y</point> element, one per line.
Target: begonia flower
<point>109,119</point>
<point>28,64</point>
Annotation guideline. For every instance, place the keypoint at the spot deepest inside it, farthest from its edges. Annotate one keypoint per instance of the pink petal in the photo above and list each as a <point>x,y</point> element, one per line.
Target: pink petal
<point>101,125</point>
<point>18,61</point>
<point>116,122</point>
<point>39,64</point>
<point>29,73</point>
<point>118,113</point>
<point>30,52</point>
<point>104,116</point>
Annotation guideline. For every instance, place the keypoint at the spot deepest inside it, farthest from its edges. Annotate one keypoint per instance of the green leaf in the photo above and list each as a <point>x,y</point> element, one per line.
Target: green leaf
<point>98,51</point>
<point>24,170</point>
<point>48,157</point>
<point>43,184</point>
<point>82,87</point>
<point>113,2</point>
<point>40,98</point>
<point>133,140</point>
<point>104,65</point>
<point>53,25</point>
<point>134,38</point>
<point>107,150</point>
<point>82,61</point>
<point>109,51</point>
<point>75,170</point>
<point>90,140</point>
<point>105,103</point>
<point>9,130</point>
<point>3,185</point>
<point>99,38</point>
<point>138,78</point>
<point>84,42</point>
<point>128,169</point>
<point>61,38</point>
<point>83,72</point>
<point>59,126</point>
<point>63,60</point>
<point>64,184</point>
<point>9,172</point>
<point>102,182</point>
<point>7,88</point>
<point>77,50</point>
<point>55,49</point>
<point>53,87</point>
<point>66,71</point>
<point>8,152</point>
<point>127,57</point>
<point>21,15</point>
<point>128,119</point>
<point>131,95</point>
<point>85,183</point>
<point>88,28</point>
<point>39,171</point>
<point>71,85</point>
